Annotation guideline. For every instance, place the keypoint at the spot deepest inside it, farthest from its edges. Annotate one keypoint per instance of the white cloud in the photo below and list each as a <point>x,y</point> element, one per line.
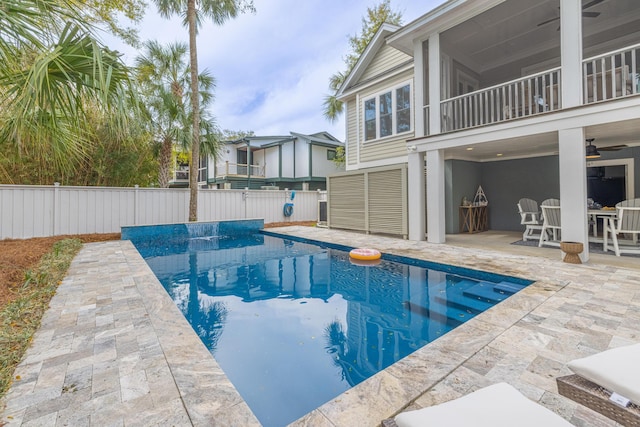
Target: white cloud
<point>273,67</point>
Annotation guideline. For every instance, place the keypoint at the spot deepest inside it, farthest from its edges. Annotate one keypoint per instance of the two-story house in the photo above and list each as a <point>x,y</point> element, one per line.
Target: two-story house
<point>501,94</point>
<point>295,161</point>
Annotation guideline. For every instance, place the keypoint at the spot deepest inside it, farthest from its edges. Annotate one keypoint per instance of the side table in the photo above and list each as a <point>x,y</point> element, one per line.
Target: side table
<point>473,219</point>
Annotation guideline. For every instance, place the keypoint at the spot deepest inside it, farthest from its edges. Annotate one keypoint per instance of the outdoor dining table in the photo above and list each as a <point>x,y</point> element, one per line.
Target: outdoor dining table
<point>605,214</point>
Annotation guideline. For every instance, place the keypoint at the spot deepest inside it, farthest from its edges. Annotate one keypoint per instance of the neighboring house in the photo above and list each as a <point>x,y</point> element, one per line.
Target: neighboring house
<point>500,94</point>
<point>180,178</point>
<point>295,161</point>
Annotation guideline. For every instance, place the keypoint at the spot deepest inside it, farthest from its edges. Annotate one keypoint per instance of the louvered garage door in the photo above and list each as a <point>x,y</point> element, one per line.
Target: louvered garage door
<point>371,200</point>
<point>347,202</point>
<point>386,190</point>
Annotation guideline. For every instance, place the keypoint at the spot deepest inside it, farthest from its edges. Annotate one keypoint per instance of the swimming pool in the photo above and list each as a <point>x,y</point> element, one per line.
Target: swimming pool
<point>294,324</point>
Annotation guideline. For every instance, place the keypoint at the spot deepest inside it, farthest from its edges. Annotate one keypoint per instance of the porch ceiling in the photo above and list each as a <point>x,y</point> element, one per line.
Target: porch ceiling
<point>511,32</point>
<point>606,135</point>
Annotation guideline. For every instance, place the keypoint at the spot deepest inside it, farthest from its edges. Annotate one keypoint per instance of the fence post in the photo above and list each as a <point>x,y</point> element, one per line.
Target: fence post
<point>245,196</point>
<point>136,204</point>
<point>56,207</point>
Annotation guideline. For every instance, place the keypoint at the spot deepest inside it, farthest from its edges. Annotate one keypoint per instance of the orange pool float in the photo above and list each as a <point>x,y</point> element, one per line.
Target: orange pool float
<point>365,254</point>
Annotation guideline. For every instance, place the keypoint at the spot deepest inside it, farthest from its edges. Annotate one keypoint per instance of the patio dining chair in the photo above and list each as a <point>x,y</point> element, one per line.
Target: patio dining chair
<point>626,223</point>
<point>531,218</point>
<point>550,233</point>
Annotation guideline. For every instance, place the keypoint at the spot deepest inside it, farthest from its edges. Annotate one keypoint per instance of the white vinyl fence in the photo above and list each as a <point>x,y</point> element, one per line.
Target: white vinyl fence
<point>38,211</point>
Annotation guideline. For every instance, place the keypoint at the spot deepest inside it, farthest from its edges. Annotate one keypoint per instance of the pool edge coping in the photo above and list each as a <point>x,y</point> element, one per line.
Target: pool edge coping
<point>388,391</point>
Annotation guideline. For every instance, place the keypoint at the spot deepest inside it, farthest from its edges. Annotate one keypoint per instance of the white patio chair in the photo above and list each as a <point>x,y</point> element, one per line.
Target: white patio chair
<point>531,218</point>
<point>551,223</point>
<point>626,223</point>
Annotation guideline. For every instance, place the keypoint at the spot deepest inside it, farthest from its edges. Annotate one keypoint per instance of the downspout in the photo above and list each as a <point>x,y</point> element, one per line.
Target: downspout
<point>280,161</point>
<point>248,164</point>
<point>310,160</point>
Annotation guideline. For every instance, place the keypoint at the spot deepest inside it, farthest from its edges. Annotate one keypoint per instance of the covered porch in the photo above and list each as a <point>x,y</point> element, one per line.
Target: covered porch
<point>538,158</point>
<point>497,61</point>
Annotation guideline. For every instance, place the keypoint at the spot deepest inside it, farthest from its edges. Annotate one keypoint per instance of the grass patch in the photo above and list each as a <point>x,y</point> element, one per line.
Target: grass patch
<point>20,318</point>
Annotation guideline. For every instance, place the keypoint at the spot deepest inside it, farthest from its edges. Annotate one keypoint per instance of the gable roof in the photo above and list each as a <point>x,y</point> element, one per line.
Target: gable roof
<point>378,40</point>
<point>322,138</point>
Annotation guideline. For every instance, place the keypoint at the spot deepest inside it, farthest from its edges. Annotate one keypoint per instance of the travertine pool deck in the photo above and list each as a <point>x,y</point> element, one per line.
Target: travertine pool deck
<point>113,349</point>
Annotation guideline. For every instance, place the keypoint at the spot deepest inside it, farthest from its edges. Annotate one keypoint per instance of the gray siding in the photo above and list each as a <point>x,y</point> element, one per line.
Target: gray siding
<point>506,182</point>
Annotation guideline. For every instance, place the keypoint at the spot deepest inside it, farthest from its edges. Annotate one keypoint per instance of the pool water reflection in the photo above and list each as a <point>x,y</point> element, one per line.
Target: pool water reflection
<point>294,325</point>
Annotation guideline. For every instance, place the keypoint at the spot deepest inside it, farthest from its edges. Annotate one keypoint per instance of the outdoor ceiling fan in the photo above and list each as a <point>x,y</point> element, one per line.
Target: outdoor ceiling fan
<point>593,152</point>
<point>585,13</point>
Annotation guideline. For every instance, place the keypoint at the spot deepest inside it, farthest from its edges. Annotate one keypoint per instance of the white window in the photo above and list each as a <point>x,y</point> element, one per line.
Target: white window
<point>388,113</point>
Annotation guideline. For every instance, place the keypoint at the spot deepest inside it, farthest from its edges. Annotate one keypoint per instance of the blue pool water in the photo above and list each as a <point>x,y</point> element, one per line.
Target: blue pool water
<point>294,324</point>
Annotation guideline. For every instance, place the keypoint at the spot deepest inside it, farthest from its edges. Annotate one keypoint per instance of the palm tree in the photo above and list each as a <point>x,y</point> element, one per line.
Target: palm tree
<point>165,74</point>
<point>194,11</point>
<point>48,74</point>
<point>375,17</point>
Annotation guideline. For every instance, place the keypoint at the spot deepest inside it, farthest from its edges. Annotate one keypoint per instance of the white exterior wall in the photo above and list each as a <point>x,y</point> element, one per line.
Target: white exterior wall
<point>320,165</point>
<point>272,158</point>
<point>38,211</point>
<point>258,158</point>
<point>287,160</point>
<point>227,153</point>
<point>302,159</point>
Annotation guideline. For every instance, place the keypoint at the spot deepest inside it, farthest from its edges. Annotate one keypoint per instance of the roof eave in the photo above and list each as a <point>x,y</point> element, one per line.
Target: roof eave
<point>378,40</point>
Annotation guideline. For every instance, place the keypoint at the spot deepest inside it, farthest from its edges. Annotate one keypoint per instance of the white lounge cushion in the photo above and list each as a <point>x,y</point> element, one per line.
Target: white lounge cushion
<point>499,405</point>
<point>617,370</point>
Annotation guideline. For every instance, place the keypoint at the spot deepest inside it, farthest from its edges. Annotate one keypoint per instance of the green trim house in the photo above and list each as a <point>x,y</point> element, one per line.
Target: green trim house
<point>295,161</point>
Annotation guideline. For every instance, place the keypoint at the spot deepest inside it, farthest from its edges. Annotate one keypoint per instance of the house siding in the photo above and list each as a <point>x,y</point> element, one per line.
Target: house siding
<point>392,146</point>
<point>352,132</point>
<point>386,58</point>
<point>272,158</point>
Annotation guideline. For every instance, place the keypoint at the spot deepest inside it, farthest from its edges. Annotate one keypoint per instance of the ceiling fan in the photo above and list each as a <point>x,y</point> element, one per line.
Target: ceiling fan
<point>585,13</point>
<point>593,152</point>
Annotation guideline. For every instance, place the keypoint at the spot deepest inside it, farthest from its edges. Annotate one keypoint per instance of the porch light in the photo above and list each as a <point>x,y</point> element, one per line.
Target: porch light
<point>592,151</point>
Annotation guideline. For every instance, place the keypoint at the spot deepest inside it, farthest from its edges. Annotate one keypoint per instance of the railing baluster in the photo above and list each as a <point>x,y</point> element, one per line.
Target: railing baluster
<point>614,88</point>
<point>603,76</point>
<point>623,74</point>
<point>635,79</point>
<point>594,81</point>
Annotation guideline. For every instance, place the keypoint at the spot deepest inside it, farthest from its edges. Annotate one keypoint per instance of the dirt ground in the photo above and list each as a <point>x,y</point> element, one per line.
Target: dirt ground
<point>18,256</point>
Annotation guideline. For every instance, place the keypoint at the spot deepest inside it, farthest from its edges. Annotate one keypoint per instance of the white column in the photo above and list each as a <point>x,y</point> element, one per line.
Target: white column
<point>416,191</point>
<point>571,52</point>
<point>418,89</point>
<point>434,84</point>
<point>573,188</point>
<point>435,189</point>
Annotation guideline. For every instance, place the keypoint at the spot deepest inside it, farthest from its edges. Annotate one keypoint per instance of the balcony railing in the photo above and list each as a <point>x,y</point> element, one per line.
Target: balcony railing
<point>182,174</point>
<point>611,75</point>
<point>523,97</point>
<point>239,169</point>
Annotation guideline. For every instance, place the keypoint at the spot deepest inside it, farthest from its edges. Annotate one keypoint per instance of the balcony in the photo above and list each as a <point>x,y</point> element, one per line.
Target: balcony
<point>605,77</point>
<point>240,170</point>
<point>612,75</point>
<point>524,97</point>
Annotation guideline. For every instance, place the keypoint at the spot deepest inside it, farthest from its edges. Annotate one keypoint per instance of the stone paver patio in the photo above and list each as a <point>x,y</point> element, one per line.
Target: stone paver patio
<point>113,349</point>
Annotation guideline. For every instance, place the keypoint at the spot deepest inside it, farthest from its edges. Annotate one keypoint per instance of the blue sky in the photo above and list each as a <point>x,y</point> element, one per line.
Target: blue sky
<point>273,67</point>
